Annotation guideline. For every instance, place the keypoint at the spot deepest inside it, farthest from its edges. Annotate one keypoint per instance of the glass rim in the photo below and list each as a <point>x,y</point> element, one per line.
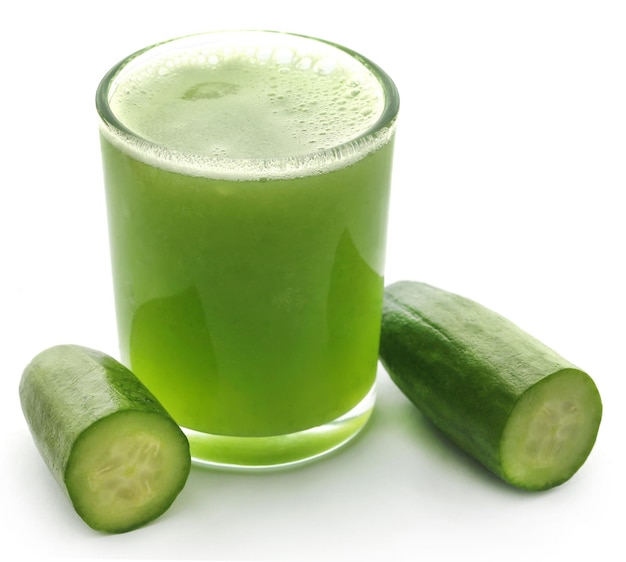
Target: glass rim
<point>338,156</point>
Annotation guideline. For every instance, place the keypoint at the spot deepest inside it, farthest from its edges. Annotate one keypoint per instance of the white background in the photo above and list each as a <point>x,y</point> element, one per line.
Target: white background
<point>510,166</point>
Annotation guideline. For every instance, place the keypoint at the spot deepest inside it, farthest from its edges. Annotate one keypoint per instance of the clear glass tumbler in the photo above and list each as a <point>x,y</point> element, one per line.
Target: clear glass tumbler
<point>247,177</point>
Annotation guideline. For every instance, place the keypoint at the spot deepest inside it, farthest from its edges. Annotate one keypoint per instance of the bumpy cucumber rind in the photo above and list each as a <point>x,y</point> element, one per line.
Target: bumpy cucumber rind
<point>476,376</point>
<point>112,447</point>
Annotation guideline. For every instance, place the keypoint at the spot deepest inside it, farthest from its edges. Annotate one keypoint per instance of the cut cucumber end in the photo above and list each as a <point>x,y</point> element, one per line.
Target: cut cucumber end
<point>551,430</point>
<point>127,469</point>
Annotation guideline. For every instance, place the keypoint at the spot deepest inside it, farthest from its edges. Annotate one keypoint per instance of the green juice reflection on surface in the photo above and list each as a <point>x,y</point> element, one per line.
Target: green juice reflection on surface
<point>249,298</point>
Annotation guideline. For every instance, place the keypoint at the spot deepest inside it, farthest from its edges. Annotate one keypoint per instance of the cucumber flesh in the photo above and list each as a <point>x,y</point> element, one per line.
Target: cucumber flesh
<point>551,428</point>
<point>122,470</point>
<point>113,448</point>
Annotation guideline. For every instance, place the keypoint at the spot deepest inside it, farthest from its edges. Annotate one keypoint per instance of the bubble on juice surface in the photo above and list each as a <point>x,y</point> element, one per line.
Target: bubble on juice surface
<point>268,106</point>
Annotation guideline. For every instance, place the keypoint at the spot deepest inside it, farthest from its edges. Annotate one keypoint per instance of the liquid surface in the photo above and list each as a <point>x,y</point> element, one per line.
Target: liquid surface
<point>264,103</point>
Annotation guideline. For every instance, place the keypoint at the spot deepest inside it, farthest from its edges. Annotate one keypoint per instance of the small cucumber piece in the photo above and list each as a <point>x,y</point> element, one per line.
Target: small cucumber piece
<point>514,404</point>
<point>109,443</point>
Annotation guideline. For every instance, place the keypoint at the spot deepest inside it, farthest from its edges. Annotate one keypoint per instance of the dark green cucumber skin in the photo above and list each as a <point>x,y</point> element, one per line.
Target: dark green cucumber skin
<point>463,365</point>
<point>66,389</point>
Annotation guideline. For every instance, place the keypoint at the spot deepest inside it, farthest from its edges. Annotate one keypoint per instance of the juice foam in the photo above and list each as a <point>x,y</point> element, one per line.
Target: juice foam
<point>267,109</point>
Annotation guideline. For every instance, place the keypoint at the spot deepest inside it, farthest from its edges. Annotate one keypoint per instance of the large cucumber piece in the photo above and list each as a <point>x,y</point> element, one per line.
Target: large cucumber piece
<point>109,443</point>
<point>514,404</point>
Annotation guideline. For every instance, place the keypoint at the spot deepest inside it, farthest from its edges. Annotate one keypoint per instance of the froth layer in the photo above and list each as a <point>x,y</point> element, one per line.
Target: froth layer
<point>279,105</point>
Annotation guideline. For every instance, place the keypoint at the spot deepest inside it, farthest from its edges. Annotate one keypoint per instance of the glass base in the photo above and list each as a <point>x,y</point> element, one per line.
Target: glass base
<point>255,453</point>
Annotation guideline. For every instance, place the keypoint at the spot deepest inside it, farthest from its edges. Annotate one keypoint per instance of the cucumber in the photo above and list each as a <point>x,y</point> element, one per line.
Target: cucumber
<point>514,404</point>
<point>113,448</point>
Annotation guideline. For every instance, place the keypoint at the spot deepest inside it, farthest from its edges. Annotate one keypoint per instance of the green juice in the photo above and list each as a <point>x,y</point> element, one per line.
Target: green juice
<point>247,232</point>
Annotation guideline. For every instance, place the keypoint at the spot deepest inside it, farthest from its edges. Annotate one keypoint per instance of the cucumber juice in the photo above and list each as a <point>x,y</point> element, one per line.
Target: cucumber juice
<point>247,177</point>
